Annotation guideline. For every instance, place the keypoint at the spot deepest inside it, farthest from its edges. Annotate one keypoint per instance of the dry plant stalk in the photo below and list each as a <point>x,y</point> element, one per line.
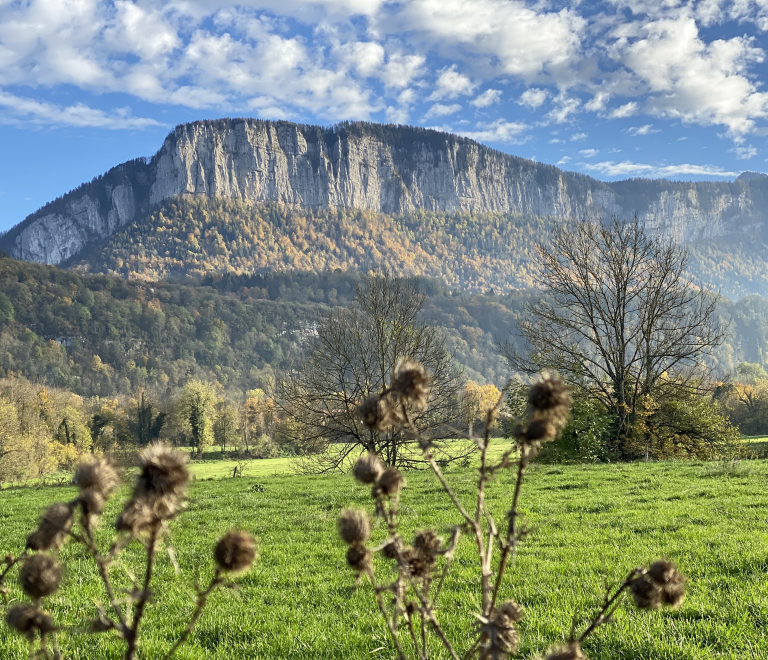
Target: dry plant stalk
<point>158,496</point>
<point>408,603</point>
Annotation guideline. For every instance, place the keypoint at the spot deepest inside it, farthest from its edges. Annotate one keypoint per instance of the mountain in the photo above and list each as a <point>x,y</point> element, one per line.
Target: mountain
<point>398,172</point>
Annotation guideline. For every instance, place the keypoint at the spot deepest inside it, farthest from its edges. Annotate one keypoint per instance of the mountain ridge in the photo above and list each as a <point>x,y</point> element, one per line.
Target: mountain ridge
<point>369,167</point>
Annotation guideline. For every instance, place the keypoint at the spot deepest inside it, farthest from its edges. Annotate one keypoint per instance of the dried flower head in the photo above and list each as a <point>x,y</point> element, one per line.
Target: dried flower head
<point>235,552</point>
<point>571,651</point>
<point>359,558</point>
<point>137,518</point>
<point>40,576</point>
<point>29,619</point>
<point>368,468</point>
<point>549,393</point>
<point>92,502</point>
<point>164,473</point>
<point>499,632</point>
<point>354,526</point>
<point>96,474</point>
<point>427,545</point>
<point>391,549</point>
<point>377,413</point>
<point>540,430</point>
<point>661,584</point>
<point>390,482</point>
<point>413,562</point>
<point>53,529</point>
<point>411,383</point>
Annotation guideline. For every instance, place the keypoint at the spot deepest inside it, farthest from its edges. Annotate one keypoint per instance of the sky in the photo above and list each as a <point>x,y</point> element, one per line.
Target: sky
<point>614,88</point>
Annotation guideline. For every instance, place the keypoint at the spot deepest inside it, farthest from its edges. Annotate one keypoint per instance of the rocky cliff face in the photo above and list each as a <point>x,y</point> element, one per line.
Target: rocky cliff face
<point>373,167</point>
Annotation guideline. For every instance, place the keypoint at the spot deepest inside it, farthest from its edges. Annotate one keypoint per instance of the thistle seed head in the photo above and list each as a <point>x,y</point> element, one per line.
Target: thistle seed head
<point>540,430</point>
<point>571,651</point>
<point>54,526</point>
<point>670,582</point>
<point>359,558</point>
<point>164,473</point>
<point>411,383</point>
<point>413,562</point>
<point>96,474</point>
<point>549,393</point>
<point>28,619</point>
<point>368,468</point>
<point>376,412</point>
<point>92,501</point>
<point>647,594</point>
<point>500,635</point>
<point>510,611</point>
<point>390,550</point>
<point>235,552</point>
<point>354,526</point>
<point>427,545</point>
<point>390,482</point>
<point>40,576</point>
<point>137,518</point>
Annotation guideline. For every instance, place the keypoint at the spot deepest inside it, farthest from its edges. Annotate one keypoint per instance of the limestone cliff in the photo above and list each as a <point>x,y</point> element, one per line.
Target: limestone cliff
<point>384,168</point>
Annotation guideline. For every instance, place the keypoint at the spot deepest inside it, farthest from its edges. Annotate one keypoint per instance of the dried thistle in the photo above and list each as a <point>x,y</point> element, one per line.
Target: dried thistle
<point>164,473</point>
<point>413,562</point>
<point>411,383</point>
<point>137,518</point>
<point>40,576</point>
<point>661,584</point>
<point>53,529</point>
<point>28,620</point>
<point>549,393</point>
<point>390,482</point>
<point>427,545</point>
<point>354,526</point>
<point>97,475</point>
<point>499,633</point>
<point>376,412</point>
<point>359,558</point>
<point>368,468</point>
<point>235,552</point>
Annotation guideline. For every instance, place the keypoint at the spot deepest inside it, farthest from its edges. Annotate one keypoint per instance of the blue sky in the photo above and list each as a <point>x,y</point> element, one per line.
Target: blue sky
<point>614,89</point>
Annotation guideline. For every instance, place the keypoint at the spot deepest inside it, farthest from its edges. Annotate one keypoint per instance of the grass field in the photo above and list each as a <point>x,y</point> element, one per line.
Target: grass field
<point>590,524</point>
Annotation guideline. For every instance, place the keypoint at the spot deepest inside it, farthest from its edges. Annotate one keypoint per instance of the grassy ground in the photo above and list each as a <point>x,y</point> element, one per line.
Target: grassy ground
<point>589,524</point>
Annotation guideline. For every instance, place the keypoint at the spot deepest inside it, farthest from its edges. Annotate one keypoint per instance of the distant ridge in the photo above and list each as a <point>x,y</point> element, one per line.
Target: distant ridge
<point>378,168</point>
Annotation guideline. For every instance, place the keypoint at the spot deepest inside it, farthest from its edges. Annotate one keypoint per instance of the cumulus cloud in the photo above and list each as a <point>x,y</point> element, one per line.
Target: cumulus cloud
<point>487,98</point>
<point>499,131</point>
<point>578,136</point>
<point>629,168</point>
<point>626,110</point>
<point>533,98</point>
<point>589,153</point>
<point>440,110</point>
<point>451,84</point>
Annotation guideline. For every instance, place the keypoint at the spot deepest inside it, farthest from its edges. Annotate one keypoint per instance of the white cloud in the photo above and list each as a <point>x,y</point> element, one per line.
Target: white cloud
<point>533,98</point>
<point>626,110</point>
<point>564,160</point>
<point>589,153</point>
<point>647,129</point>
<point>628,168</point>
<point>499,131</point>
<point>565,106</point>
<point>744,152</point>
<point>556,141</point>
<point>20,110</point>
<point>451,84</point>
<point>488,97</point>
<point>578,136</point>
<point>440,110</point>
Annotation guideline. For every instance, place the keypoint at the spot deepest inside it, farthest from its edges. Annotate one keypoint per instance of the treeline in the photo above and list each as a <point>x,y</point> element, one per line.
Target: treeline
<point>103,335</point>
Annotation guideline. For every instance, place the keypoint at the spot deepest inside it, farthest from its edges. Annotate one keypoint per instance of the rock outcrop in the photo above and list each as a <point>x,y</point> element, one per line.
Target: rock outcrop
<point>391,169</point>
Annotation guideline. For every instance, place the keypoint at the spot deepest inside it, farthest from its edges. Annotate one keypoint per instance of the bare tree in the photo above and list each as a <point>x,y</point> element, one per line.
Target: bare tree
<point>619,315</point>
<point>352,357</point>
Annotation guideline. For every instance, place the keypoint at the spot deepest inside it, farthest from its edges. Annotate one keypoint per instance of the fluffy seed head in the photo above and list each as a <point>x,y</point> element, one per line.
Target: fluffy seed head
<point>390,482</point>
<point>549,393</point>
<point>571,651</point>
<point>28,619</point>
<point>96,474</point>
<point>376,412</point>
<point>509,611</point>
<point>427,544</point>
<point>40,576</point>
<point>235,552</point>
<point>354,526</point>
<point>164,473</point>
<point>54,526</point>
<point>647,594</point>
<point>411,383</point>
<point>413,562</point>
<point>359,558</point>
<point>540,430</point>
<point>137,517</point>
<point>671,582</point>
<point>368,468</point>
<point>92,501</point>
<point>500,634</point>
<point>390,550</point>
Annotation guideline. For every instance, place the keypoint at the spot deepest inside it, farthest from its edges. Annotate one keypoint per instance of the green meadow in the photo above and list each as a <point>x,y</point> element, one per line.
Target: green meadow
<point>589,525</point>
